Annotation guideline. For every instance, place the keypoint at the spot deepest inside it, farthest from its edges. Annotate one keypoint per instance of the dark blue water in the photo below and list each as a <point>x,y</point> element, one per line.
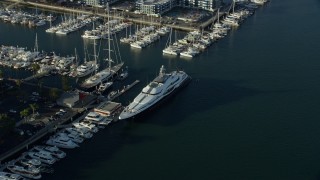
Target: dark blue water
<point>251,111</point>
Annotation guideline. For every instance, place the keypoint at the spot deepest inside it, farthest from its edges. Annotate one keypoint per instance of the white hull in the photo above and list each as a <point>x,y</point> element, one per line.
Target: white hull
<point>160,88</point>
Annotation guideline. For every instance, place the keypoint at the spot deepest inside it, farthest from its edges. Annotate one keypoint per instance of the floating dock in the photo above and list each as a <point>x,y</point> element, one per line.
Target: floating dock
<point>125,89</point>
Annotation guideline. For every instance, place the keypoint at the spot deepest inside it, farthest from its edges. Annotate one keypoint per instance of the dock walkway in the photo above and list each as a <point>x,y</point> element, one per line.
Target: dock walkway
<point>125,89</point>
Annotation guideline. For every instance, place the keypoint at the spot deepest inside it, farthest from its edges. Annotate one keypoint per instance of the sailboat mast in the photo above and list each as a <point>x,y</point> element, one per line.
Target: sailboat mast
<point>218,15</point>
<point>109,51</point>
<point>95,55</point>
<point>233,3</point>
<point>36,44</point>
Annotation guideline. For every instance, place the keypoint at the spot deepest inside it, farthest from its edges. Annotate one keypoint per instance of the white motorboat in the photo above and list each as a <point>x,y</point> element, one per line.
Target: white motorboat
<point>123,75</point>
<point>91,128</point>
<point>55,151</point>
<point>27,171</point>
<point>10,176</point>
<point>62,141</point>
<point>190,52</point>
<point>74,136</point>
<point>96,118</point>
<point>138,44</point>
<point>82,132</point>
<point>161,87</point>
<point>104,86</point>
<point>30,162</point>
<point>43,156</point>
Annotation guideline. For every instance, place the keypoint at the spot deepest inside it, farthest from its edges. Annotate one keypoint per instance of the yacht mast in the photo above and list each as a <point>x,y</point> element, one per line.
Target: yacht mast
<point>95,55</point>
<point>233,3</point>
<point>36,44</point>
<point>109,50</point>
<point>218,16</point>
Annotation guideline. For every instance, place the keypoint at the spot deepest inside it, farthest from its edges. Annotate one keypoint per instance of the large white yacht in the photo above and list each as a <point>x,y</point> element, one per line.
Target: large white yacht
<point>61,141</point>
<point>161,87</point>
<point>10,176</point>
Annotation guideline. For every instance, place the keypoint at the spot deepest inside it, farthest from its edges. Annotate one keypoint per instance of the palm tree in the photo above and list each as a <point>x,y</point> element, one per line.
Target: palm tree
<point>24,113</point>
<point>35,67</point>
<point>33,107</point>
<point>18,83</point>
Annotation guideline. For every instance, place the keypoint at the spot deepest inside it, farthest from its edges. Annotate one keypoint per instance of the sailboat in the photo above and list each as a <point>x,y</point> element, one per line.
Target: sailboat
<point>37,56</point>
<point>87,67</point>
<point>106,74</point>
<point>170,48</point>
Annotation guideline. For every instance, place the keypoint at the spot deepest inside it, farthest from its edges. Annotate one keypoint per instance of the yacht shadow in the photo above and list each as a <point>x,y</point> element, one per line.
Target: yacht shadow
<point>199,96</point>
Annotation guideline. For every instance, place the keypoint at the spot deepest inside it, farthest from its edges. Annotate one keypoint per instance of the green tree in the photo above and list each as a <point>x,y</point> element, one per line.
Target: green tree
<point>33,107</point>
<point>6,124</point>
<point>24,113</point>
<point>35,67</point>
<point>18,83</point>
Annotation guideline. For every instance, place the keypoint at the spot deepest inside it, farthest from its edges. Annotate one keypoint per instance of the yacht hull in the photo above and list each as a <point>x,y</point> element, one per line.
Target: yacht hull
<point>163,100</point>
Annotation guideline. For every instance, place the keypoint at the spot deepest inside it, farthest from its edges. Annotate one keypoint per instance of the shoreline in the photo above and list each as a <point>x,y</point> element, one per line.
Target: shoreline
<point>139,19</point>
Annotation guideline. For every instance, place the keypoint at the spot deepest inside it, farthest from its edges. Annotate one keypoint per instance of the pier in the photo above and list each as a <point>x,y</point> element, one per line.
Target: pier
<point>125,89</point>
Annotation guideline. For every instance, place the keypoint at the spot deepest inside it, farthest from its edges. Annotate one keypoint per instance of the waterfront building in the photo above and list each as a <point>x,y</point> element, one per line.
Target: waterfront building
<point>107,108</point>
<point>158,7</point>
<point>99,3</point>
<point>155,7</point>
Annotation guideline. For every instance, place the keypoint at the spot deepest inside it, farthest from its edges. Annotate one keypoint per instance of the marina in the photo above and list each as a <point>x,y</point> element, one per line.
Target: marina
<point>248,91</point>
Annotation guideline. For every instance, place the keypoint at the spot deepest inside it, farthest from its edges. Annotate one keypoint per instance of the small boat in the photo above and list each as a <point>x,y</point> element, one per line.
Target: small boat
<point>10,176</point>
<point>104,86</point>
<point>96,118</point>
<point>43,156</point>
<point>29,172</point>
<point>123,75</point>
<point>62,141</point>
<point>82,132</point>
<point>30,162</point>
<point>92,128</point>
<point>55,151</point>
<point>112,94</point>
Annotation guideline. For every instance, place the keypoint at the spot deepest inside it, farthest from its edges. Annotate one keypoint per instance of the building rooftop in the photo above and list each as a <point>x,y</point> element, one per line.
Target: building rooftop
<point>107,107</point>
<point>152,2</point>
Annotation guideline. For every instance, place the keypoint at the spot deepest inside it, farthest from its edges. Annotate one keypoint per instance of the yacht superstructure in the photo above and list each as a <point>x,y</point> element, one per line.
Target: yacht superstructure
<point>161,87</point>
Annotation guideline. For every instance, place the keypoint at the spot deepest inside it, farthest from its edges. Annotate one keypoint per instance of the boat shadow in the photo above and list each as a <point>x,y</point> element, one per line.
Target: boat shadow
<point>200,96</point>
